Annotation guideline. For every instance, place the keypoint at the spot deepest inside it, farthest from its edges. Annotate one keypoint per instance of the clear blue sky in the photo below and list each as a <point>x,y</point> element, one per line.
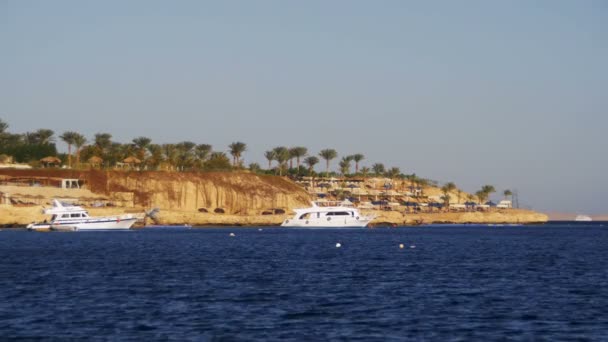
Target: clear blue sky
<point>509,93</point>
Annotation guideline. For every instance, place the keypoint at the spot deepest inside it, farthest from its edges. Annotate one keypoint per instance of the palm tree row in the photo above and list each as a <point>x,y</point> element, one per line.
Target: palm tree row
<point>188,155</point>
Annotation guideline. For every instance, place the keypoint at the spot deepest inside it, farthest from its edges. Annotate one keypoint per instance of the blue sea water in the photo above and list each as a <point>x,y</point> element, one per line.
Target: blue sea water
<point>450,283</point>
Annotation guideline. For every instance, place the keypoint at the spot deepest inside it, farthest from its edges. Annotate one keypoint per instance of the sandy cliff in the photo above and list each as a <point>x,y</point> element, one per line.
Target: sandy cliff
<point>193,198</point>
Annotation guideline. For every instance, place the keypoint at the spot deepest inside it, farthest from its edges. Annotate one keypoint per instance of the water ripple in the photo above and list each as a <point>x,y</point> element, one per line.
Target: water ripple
<point>458,284</point>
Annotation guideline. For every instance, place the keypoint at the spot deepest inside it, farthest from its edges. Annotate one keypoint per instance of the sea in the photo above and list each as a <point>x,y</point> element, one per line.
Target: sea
<point>429,283</point>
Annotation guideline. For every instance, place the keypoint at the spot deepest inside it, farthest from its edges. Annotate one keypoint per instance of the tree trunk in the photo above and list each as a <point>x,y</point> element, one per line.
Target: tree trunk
<point>69,156</point>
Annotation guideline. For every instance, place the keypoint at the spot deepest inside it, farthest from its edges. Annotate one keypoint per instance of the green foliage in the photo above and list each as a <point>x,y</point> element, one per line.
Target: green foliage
<point>378,169</point>
<point>365,171</point>
<point>254,167</point>
<point>328,154</point>
<point>236,150</point>
<point>311,162</point>
<point>218,161</point>
<point>298,152</point>
<point>357,158</point>
<point>393,172</point>
<point>270,156</point>
<point>281,155</point>
<point>345,165</point>
<point>25,153</point>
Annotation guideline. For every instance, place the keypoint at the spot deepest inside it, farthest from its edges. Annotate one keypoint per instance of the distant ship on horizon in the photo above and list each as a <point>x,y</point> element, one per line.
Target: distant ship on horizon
<point>582,218</point>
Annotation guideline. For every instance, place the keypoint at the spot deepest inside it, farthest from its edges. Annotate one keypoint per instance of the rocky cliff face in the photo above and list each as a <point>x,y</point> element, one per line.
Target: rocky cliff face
<point>233,192</point>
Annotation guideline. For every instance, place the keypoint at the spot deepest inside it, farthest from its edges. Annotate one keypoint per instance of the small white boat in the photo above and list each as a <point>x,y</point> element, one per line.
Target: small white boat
<point>328,214</point>
<point>67,217</point>
<point>582,218</point>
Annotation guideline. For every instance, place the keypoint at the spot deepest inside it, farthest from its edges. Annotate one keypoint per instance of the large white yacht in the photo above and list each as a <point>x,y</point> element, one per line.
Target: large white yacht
<point>328,214</point>
<point>70,217</point>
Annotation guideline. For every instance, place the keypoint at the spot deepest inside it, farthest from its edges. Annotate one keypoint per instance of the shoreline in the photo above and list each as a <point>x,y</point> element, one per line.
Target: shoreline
<point>11,217</point>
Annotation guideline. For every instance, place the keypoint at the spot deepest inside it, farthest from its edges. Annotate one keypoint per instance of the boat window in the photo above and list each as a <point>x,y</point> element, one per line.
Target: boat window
<point>53,217</point>
<point>85,215</point>
<point>65,216</point>
<point>338,213</point>
<point>305,216</point>
<point>75,215</point>
<point>318,215</point>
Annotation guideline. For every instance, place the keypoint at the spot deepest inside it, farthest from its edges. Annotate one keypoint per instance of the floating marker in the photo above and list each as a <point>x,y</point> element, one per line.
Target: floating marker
<point>231,234</point>
<point>259,230</point>
<point>338,245</point>
<point>413,246</point>
<point>401,246</point>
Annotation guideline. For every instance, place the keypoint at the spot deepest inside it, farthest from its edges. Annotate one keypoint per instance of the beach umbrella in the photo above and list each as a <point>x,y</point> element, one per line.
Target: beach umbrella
<point>95,160</point>
<point>50,160</point>
<point>131,160</point>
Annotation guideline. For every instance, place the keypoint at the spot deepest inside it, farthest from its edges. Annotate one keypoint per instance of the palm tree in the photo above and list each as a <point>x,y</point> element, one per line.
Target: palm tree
<point>298,152</point>
<point>156,155</point>
<point>171,154</point>
<point>487,190</point>
<point>44,136</point>
<point>281,155</point>
<point>328,154</point>
<point>365,171</point>
<point>254,167</point>
<point>378,168</point>
<point>311,162</point>
<point>103,140</point>
<point>236,150</point>
<point>446,189</point>
<point>185,151</point>
<point>507,193</point>
<point>345,166</point>
<point>142,144</point>
<point>270,156</point>
<point>481,196</point>
<point>69,137</point>
<point>3,126</point>
<point>393,172</point>
<point>79,141</point>
<point>202,151</point>
<point>218,161</point>
<point>357,158</point>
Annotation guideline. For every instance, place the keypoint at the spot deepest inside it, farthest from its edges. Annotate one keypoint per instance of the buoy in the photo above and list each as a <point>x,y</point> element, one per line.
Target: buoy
<point>401,246</point>
<point>413,246</point>
<point>259,230</point>
<point>338,245</point>
<point>231,234</point>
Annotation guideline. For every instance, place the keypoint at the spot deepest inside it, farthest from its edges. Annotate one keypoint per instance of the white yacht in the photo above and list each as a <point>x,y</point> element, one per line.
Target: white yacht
<point>328,214</point>
<point>73,218</point>
<point>582,218</point>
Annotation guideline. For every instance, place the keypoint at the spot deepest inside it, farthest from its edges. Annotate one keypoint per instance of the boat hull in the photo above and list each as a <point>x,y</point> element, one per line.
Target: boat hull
<point>114,224</point>
<point>335,223</point>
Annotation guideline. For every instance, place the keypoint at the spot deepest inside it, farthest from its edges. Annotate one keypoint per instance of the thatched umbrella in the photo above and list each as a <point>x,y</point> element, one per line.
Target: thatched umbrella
<point>95,160</point>
<point>131,160</point>
<point>50,160</point>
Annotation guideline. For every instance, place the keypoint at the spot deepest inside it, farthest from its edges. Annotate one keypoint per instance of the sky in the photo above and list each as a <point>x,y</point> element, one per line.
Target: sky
<point>508,93</point>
